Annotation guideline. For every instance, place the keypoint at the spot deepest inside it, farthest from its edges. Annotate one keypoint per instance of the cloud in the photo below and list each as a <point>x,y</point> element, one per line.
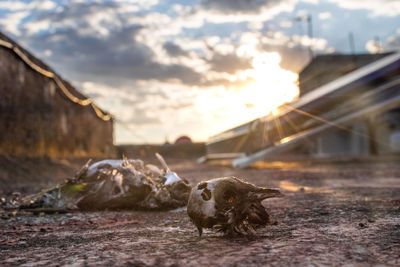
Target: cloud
<point>19,10</point>
<point>294,50</point>
<point>286,24</point>
<point>226,11</point>
<point>171,68</point>
<point>141,117</point>
<point>376,7</point>
<point>324,15</point>
<point>238,6</point>
<point>35,27</point>
<point>141,4</point>
<point>122,52</point>
<point>111,58</point>
<point>255,25</point>
<point>393,42</point>
<point>13,5</point>
<point>373,46</point>
<point>293,58</point>
<point>229,63</point>
<point>174,50</point>
<point>23,6</point>
<point>117,48</point>
<point>12,22</point>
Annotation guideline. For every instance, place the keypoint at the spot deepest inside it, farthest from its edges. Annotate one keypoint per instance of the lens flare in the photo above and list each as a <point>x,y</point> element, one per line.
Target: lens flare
<point>273,85</point>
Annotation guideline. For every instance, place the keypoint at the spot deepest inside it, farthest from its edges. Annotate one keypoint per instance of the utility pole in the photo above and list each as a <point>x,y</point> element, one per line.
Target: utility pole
<point>308,19</point>
<point>352,45</point>
<point>310,34</point>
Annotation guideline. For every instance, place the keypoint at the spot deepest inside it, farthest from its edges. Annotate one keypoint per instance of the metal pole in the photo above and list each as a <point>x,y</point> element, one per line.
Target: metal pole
<point>352,45</point>
<point>308,19</point>
<point>310,34</point>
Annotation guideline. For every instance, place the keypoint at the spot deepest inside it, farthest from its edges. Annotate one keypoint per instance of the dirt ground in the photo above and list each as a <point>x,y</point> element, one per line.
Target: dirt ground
<point>332,214</point>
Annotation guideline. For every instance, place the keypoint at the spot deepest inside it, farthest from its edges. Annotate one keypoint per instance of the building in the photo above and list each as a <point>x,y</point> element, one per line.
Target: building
<point>325,68</point>
<point>43,115</point>
<point>374,134</point>
<point>347,107</point>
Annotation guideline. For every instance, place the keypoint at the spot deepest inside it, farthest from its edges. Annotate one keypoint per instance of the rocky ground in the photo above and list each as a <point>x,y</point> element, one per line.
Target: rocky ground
<point>344,213</point>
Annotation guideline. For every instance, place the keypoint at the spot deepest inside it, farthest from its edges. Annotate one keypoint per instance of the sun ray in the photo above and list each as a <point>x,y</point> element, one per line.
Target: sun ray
<point>341,127</point>
<point>278,126</point>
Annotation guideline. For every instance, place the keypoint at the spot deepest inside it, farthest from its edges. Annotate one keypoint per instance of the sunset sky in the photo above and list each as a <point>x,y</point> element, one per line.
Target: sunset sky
<point>171,68</point>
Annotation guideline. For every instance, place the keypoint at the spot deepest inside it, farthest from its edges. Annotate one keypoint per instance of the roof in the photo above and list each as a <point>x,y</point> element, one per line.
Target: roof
<point>326,68</point>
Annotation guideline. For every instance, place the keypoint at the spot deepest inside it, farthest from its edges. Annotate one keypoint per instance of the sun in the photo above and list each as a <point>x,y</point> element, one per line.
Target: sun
<point>224,107</point>
<point>272,86</point>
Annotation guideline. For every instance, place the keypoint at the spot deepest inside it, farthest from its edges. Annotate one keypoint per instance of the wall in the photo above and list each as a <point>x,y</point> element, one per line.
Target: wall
<point>371,135</point>
<point>37,119</point>
<point>358,141</point>
<point>176,151</point>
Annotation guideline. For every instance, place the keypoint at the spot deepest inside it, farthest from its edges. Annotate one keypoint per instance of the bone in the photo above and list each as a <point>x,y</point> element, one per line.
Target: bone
<point>115,184</point>
<point>230,205</point>
<point>163,163</point>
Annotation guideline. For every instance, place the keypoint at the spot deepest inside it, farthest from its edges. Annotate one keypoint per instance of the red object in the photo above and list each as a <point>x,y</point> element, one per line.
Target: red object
<point>183,140</point>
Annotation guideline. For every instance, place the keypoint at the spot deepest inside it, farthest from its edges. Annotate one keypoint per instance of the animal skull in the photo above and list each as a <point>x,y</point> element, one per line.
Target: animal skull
<point>230,205</point>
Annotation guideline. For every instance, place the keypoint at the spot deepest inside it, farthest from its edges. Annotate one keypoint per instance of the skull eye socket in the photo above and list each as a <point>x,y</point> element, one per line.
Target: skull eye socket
<point>229,196</point>
<point>206,194</point>
<point>202,186</point>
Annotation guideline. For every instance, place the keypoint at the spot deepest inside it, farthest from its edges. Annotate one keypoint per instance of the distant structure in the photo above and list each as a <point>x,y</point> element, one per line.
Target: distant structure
<point>349,105</point>
<point>183,140</point>
<point>43,115</point>
<point>326,68</point>
<point>370,135</point>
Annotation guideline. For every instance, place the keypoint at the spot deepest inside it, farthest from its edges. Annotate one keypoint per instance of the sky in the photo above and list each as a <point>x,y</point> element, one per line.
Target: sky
<point>171,68</point>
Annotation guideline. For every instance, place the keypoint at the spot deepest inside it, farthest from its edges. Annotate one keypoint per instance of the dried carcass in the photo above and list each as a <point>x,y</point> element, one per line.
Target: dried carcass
<point>230,205</point>
<point>115,184</point>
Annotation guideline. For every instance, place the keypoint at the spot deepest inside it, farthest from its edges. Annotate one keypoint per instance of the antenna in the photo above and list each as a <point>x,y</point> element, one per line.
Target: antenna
<point>351,43</point>
<point>378,45</point>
